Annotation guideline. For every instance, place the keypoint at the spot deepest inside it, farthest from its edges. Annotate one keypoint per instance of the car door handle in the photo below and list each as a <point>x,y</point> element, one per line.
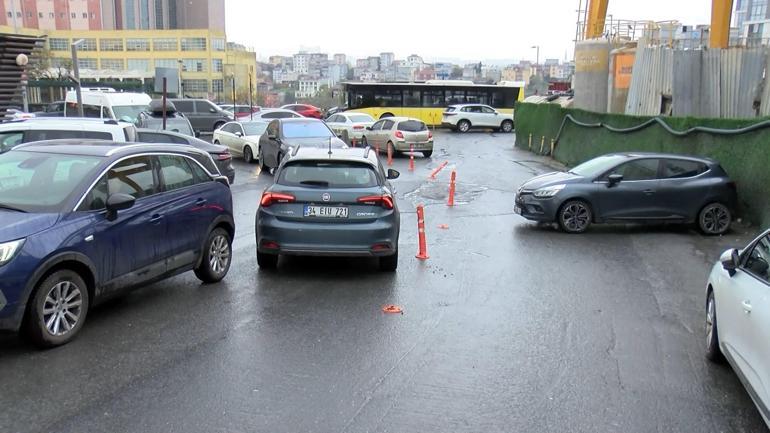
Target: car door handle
<point>649,191</point>
<point>155,219</point>
<point>746,306</point>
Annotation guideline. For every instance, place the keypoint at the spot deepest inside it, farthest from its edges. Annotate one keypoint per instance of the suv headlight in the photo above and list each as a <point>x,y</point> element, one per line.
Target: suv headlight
<point>9,249</point>
<point>548,191</point>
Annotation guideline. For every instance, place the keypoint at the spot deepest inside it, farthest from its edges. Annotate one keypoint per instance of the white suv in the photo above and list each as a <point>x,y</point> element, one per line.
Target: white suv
<point>463,117</point>
<point>51,128</point>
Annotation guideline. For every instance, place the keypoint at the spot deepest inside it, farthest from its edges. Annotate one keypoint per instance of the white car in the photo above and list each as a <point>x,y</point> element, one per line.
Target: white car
<point>463,117</point>
<point>352,123</point>
<point>738,317</point>
<point>276,113</point>
<point>53,128</point>
<point>242,138</point>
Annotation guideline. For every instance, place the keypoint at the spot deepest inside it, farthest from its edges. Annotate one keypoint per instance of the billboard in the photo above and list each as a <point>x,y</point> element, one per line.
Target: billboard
<point>172,80</point>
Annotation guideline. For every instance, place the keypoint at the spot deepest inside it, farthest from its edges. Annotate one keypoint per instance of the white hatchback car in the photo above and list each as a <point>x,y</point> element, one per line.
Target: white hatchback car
<point>463,117</point>
<point>354,123</point>
<point>738,295</point>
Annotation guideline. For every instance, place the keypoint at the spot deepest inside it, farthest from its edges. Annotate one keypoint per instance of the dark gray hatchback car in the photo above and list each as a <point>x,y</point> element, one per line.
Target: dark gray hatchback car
<point>632,187</point>
<point>329,202</point>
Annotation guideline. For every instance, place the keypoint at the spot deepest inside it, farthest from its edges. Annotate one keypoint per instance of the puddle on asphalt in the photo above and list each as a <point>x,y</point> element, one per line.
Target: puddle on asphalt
<point>435,191</point>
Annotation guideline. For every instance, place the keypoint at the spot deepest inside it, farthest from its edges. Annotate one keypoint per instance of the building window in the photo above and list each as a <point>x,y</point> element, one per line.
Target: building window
<point>199,86</point>
<point>217,65</point>
<point>193,44</point>
<point>194,65</point>
<point>40,15</point>
<point>137,45</point>
<point>165,44</point>
<point>217,86</point>
<point>87,63</point>
<point>85,15</point>
<point>166,63</point>
<point>159,15</point>
<point>87,45</point>
<point>758,10</point>
<point>218,44</point>
<point>112,64</point>
<point>137,64</point>
<point>111,44</point>
<point>58,44</point>
<point>73,15</point>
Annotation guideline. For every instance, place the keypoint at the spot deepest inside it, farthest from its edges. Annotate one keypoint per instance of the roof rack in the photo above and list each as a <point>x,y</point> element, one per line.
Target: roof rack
<point>367,149</point>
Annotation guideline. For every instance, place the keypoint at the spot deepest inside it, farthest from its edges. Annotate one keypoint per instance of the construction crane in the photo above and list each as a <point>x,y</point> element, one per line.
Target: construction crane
<point>719,35</point>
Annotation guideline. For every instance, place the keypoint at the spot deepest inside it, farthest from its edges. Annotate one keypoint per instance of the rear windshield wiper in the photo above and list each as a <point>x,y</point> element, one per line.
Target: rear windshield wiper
<point>315,182</point>
<point>5,206</point>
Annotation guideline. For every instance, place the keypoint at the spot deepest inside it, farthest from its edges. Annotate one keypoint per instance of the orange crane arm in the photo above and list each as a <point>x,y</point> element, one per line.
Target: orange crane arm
<point>721,13</point>
<point>597,13</point>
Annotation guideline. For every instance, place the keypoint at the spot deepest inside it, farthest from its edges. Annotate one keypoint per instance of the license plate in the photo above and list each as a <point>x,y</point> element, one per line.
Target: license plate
<point>517,209</point>
<point>326,211</point>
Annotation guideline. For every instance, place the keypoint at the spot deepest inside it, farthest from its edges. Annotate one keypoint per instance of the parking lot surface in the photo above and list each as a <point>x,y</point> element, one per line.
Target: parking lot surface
<point>508,326</point>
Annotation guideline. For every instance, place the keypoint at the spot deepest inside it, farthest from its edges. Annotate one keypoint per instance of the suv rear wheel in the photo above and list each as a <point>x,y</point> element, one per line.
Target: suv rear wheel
<point>463,126</point>
<point>58,309</point>
<point>217,256</point>
<point>506,126</point>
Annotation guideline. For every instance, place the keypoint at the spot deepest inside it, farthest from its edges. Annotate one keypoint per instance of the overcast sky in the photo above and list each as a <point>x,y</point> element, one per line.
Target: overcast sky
<point>473,30</point>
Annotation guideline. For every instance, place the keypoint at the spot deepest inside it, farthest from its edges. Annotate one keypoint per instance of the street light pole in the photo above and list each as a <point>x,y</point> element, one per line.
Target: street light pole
<point>76,71</point>
<point>232,78</point>
<point>537,59</point>
<point>179,70</point>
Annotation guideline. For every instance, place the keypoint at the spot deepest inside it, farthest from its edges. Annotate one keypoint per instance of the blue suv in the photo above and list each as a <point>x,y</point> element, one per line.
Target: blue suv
<point>81,221</point>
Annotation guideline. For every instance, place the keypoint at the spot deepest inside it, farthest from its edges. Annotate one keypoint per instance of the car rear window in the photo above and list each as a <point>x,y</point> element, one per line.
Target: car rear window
<point>306,130</point>
<point>328,174</point>
<point>450,109</point>
<point>412,126</point>
<point>43,134</point>
<point>361,118</point>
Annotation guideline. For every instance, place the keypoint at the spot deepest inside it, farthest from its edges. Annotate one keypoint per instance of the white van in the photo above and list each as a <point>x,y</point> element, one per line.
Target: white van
<point>106,103</point>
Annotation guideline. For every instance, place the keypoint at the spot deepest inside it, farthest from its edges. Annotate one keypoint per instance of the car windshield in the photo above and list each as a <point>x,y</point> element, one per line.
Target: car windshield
<point>254,128</point>
<point>597,166</point>
<point>361,118</point>
<point>41,182</point>
<point>412,126</point>
<point>306,130</point>
<point>328,174</point>
<point>128,113</point>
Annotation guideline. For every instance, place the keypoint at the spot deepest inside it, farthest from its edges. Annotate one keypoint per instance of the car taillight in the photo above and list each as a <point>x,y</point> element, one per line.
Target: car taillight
<point>358,127</point>
<point>449,114</point>
<point>384,200</point>
<point>224,156</point>
<point>269,198</point>
<point>430,135</point>
<point>399,134</point>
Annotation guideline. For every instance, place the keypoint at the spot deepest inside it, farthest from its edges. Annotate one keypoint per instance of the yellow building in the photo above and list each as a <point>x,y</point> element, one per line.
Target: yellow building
<point>206,61</point>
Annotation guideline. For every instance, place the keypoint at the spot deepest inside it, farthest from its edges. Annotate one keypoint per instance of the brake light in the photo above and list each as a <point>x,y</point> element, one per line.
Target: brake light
<point>358,127</point>
<point>270,245</point>
<point>446,114</point>
<point>269,198</point>
<point>385,200</point>
<point>224,156</point>
<point>430,135</point>
<point>399,134</point>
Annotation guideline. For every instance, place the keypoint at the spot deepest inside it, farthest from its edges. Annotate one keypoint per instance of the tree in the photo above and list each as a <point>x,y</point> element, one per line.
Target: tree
<point>457,72</point>
<point>41,66</point>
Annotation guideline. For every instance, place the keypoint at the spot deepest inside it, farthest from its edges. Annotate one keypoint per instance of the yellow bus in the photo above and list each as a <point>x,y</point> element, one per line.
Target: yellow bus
<point>426,101</point>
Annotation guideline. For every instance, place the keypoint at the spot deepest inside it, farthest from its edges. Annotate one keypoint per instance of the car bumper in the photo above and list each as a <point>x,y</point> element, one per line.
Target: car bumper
<point>327,239</point>
<point>12,308</point>
<point>405,146</point>
<point>536,209</point>
<point>448,124</point>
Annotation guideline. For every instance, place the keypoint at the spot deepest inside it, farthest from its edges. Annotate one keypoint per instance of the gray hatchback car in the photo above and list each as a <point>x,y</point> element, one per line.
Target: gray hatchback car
<point>329,202</point>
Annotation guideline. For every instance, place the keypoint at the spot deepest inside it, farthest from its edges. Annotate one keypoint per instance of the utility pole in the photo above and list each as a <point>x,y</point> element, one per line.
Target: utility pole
<point>232,78</point>
<point>76,71</point>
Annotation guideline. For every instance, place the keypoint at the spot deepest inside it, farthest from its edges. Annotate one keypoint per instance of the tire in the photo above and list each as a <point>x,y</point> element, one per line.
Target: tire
<point>714,219</point>
<point>506,126</point>
<point>575,216</point>
<point>58,287</point>
<point>217,257</point>
<point>463,126</point>
<point>261,157</point>
<point>248,154</point>
<point>217,126</point>
<point>427,153</point>
<point>386,115</point>
<point>389,263</point>
<point>267,261</point>
<point>713,352</point>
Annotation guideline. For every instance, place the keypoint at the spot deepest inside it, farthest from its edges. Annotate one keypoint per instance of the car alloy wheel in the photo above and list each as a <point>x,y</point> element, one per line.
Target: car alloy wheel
<point>715,219</point>
<point>248,156</point>
<point>710,320</point>
<point>463,126</point>
<point>507,126</point>
<point>575,217</point>
<point>62,308</point>
<point>219,254</point>
<point>713,352</point>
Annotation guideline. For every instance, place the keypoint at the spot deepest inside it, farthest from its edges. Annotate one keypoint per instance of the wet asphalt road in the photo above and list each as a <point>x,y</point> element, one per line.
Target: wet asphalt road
<point>509,326</point>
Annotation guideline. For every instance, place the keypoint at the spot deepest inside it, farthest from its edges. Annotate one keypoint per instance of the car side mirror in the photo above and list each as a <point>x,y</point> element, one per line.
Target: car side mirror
<point>197,133</point>
<point>368,128</point>
<point>614,179</point>
<point>212,110</point>
<point>729,260</point>
<point>239,134</point>
<point>392,174</point>
<point>118,202</point>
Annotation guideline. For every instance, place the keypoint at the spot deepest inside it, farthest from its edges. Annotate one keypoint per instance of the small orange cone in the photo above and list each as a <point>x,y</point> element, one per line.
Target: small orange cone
<point>390,156</point>
<point>392,309</point>
<point>451,201</point>
<point>422,253</point>
<point>411,157</point>
<point>443,226</point>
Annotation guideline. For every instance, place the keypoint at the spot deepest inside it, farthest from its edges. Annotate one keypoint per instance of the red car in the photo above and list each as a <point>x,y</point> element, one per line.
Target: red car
<point>305,110</point>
